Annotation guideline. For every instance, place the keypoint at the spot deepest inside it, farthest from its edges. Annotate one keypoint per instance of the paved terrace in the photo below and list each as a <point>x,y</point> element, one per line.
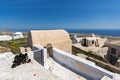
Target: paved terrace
<point>62,72</point>
<point>28,71</point>
<point>56,71</point>
<point>34,70</point>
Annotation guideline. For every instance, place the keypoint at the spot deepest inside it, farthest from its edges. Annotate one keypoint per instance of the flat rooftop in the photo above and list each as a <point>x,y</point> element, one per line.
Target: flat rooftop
<point>34,70</point>
<point>28,71</point>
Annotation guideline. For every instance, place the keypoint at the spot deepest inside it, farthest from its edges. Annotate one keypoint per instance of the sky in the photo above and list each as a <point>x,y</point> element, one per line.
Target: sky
<point>59,14</point>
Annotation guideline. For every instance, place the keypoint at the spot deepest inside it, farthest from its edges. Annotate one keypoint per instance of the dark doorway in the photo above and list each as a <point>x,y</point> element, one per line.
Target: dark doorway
<point>84,42</point>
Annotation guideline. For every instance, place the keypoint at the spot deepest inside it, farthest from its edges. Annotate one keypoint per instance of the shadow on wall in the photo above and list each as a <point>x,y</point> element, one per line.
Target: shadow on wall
<point>38,55</point>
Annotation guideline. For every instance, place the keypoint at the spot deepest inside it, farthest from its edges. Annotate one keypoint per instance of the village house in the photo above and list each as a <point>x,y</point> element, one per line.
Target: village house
<point>110,51</point>
<point>92,44</point>
<point>93,41</point>
<point>113,54</point>
<point>18,35</point>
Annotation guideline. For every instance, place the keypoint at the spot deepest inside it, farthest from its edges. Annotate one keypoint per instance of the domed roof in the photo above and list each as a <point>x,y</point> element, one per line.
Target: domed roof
<point>58,38</point>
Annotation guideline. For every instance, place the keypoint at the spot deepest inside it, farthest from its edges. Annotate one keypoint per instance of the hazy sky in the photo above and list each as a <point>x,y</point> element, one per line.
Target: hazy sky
<point>54,14</point>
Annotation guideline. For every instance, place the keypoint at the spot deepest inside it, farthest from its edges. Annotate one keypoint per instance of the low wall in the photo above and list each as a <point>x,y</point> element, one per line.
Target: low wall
<point>81,66</point>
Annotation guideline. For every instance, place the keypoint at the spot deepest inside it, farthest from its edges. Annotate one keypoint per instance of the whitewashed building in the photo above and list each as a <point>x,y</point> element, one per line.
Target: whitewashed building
<point>93,41</point>
<point>113,55</point>
<point>18,35</point>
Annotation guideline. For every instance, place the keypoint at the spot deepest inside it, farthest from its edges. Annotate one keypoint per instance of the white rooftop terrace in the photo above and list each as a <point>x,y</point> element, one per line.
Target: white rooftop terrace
<point>28,71</point>
<point>61,63</point>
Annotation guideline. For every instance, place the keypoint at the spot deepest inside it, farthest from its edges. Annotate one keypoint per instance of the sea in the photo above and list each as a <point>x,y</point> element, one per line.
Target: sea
<point>105,32</point>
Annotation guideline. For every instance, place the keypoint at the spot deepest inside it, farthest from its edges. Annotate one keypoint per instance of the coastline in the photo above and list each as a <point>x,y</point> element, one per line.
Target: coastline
<point>71,32</point>
<point>104,32</point>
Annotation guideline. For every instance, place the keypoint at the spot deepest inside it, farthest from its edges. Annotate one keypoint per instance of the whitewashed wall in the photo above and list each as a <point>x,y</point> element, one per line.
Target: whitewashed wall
<point>81,66</point>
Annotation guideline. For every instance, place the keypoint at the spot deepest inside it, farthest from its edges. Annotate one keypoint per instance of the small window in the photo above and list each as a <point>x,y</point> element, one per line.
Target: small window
<point>113,51</point>
<point>92,41</point>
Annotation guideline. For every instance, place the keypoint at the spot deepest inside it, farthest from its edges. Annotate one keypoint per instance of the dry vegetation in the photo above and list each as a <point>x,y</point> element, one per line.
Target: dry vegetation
<point>3,49</point>
<point>14,45</point>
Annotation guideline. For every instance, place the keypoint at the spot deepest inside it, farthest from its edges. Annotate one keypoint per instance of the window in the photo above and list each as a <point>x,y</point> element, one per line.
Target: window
<point>113,51</point>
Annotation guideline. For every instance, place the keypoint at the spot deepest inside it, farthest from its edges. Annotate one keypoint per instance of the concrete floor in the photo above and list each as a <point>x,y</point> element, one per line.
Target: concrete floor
<point>62,72</point>
<point>28,71</point>
<point>35,71</point>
